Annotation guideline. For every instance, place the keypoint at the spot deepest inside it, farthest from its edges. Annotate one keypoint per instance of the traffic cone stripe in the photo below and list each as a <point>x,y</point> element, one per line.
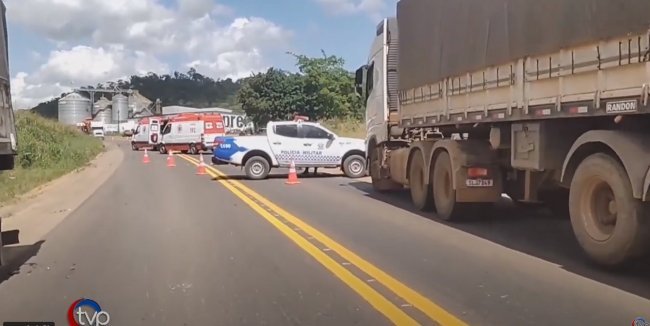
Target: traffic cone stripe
<point>293,176</point>
<point>201,167</point>
<point>145,158</point>
<point>171,161</point>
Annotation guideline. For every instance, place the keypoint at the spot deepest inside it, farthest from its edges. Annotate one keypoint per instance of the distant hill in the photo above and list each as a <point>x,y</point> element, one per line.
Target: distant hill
<point>187,89</point>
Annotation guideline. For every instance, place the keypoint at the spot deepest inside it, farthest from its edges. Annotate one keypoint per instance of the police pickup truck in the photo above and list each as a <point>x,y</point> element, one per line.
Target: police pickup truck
<point>306,144</point>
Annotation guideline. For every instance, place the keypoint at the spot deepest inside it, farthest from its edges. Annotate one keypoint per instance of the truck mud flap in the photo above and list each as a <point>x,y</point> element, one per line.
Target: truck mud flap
<point>10,237</point>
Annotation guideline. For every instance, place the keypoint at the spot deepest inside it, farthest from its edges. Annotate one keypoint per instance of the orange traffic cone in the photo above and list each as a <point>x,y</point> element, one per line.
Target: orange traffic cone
<point>293,176</point>
<point>201,168</point>
<point>171,161</point>
<point>145,158</point>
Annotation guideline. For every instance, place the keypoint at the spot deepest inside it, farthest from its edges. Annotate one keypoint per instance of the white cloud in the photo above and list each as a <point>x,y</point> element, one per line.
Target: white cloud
<point>80,66</point>
<point>374,8</point>
<point>125,37</point>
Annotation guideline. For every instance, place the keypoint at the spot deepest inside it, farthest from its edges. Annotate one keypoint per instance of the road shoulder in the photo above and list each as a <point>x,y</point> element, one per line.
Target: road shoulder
<point>41,210</point>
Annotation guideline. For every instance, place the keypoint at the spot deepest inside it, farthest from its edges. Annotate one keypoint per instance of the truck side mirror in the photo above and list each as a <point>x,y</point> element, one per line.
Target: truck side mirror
<point>330,136</point>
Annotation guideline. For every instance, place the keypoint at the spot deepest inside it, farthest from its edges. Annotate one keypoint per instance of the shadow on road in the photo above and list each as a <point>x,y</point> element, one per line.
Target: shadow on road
<point>532,231</point>
<point>15,257</point>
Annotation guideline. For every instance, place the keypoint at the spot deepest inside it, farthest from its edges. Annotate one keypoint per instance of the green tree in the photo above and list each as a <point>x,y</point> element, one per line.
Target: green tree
<point>329,87</point>
<point>272,95</point>
<point>322,89</point>
<point>191,89</point>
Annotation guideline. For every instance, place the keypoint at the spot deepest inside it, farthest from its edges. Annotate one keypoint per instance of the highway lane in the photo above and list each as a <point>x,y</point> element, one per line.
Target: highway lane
<point>511,267</point>
<point>164,246</point>
<point>161,246</point>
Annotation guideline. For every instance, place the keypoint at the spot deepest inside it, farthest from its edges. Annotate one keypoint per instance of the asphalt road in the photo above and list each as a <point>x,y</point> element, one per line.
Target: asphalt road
<point>157,245</point>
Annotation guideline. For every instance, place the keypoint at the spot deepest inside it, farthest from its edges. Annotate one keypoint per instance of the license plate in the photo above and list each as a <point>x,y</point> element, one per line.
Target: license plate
<point>479,182</point>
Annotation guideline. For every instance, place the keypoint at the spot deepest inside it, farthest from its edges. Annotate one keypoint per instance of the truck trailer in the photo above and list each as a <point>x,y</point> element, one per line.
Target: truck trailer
<point>8,148</point>
<point>545,101</point>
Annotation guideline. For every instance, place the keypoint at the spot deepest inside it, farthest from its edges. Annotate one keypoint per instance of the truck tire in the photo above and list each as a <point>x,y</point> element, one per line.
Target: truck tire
<point>354,166</point>
<point>134,147</point>
<point>420,189</point>
<point>380,184</point>
<point>257,168</point>
<point>7,162</point>
<point>444,195</point>
<point>611,225</point>
<point>162,149</point>
<point>193,150</point>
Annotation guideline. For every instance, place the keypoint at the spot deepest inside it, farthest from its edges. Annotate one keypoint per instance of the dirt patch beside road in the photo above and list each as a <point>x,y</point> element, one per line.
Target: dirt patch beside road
<point>39,211</point>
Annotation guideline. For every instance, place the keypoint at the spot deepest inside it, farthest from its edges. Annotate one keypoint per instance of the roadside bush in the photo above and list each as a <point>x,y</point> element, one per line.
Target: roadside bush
<point>47,150</point>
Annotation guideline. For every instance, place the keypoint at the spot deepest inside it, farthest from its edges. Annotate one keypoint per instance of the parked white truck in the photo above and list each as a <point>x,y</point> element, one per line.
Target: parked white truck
<point>548,102</point>
<point>307,144</point>
<point>8,147</point>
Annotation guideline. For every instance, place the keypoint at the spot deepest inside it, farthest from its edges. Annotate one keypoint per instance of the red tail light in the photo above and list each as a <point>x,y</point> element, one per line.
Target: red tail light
<point>477,172</point>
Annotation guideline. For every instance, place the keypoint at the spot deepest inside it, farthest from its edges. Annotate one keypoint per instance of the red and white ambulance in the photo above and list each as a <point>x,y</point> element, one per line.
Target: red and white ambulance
<point>147,134</point>
<point>191,132</point>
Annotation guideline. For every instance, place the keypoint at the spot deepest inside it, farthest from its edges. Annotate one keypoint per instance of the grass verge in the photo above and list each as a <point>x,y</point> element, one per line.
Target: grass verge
<point>47,150</point>
<point>346,127</point>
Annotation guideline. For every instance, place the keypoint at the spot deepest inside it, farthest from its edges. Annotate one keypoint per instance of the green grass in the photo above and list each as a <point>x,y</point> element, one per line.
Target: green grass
<point>346,127</point>
<point>47,150</point>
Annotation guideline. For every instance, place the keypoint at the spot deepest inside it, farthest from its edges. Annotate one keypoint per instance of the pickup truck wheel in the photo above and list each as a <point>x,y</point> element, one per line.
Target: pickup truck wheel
<point>420,190</point>
<point>444,195</point>
<point>257,168</point>
<point>7,162</point>
<point>610,224</point>
<point>162,149</point>
<point>354,166</point>
<point>193,150</point>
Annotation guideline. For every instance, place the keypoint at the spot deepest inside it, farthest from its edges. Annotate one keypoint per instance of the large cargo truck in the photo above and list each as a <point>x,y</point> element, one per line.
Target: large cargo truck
<point>545,101</point>
<point>8,149</point>
<point>7,124</point>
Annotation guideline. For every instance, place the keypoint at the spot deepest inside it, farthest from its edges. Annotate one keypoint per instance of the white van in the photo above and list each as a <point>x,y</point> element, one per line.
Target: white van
<point>146,134</point>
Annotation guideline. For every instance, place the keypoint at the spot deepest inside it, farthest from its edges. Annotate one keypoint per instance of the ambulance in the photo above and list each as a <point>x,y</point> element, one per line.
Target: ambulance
<point>147,134</point>
<point>191,132</point>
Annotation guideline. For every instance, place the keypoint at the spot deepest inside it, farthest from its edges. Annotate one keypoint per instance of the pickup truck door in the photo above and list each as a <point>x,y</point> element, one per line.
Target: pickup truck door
<point>320,146</point>
<point>285,144</point>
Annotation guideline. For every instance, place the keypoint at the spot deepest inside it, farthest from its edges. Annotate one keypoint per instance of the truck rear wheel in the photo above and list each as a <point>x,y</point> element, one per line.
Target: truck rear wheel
<point>7,162</point>
<point>162,149</point>
<point>444,194</point>
<point>134,146</point>
<point>610,224</point>
<point>257,168</point>
<point>380,184</point>
<point>420,189</point>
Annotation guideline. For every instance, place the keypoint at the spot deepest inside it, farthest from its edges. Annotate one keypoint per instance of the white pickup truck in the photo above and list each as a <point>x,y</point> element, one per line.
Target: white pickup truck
<point>306,144</point>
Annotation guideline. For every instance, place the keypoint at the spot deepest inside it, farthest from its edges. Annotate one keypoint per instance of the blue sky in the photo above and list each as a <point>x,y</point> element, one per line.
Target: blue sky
<point>59,44</point>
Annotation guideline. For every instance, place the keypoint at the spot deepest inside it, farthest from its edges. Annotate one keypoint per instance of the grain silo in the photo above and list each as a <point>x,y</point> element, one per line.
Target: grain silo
<point>102,111</point>
<point>73,108</point>
<point>120,108</point>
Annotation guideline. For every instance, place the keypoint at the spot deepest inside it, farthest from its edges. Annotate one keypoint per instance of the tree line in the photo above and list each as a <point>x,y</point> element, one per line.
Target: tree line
<point>321,89</point>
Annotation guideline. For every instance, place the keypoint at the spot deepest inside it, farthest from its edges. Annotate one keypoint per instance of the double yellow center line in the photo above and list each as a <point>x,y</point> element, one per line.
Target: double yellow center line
<point>343,263</point>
